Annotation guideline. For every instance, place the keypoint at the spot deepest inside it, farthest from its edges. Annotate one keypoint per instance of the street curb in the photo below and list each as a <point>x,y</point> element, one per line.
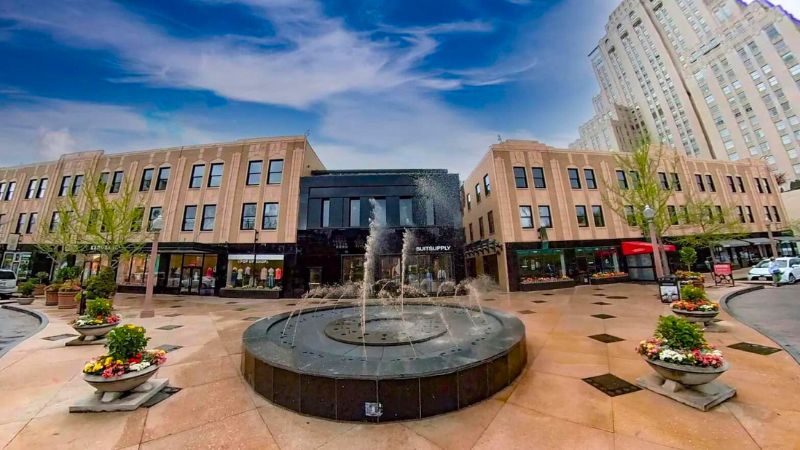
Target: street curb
<point>795,353</point>
<point>43,321</point>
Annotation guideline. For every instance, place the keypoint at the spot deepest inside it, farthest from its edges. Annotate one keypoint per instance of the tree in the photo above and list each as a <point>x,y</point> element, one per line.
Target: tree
<point>712,224</point>
<point>688,257</point>
<point>55,238</point>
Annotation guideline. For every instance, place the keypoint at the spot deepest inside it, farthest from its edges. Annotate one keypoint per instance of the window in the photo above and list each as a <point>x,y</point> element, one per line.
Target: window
<point>196,178</point>
<point>574,178</point>
<point>597,213</point>
<point>326,213</point>
<point>147,179</point>
<point>673,215</point>
<point>731,183</point>
<point>525,217</point>
<point>269,221</point>
<point>355,212</point>
<point>76,184</point>
<point>471,236</point>
<point>758,186</point>
<point>406,212</point>
<point>32,222</point>
<point>700,185</point>
<point>10,191</point>
<point>102,183</point>
<point>622,179</point>
<point>116,182</point>
<point>766,186</point>
<point>490,221</point>
<point>768,214</point>
<point>209,213</point>
<point>487,188</point>
<point>20,223</point>
<point>774,214</point>
<point>469,201</point>
<point>538,178</point>
<point>215,175</point>
<point>740,213</point>
<point>710,183</point>
<point>481,232</point>
<point>189,215</point>
<point>31,189</point>
<point>379,210</point>
<point>275,175</point>
<point>254,172</point>
<point>720,215</point>
<point>520,179</point>
<point>545,219</point>
<point>63,191</point>
<point>155,212</point>
<point>662,178</point>
<point>41,188</point>
<point>2,190</point>
<point>430,213</point>
<point>55,222</point>
<point>163,178</point>
<point>138,218</point>
<point>630,215</point>
<point>248,217</point>
<point>591,182</point>
<point>750,214</point>
<point>741,184</point>
<point>478,193</point>
<point>634,178</point>
<point>580,214</point>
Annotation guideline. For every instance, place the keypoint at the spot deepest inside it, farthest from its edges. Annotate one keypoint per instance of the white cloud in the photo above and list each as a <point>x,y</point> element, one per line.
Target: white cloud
<point>54,143</point>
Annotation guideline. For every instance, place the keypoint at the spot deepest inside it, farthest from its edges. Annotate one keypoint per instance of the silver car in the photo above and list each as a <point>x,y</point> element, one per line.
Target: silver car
<point>8,283</point>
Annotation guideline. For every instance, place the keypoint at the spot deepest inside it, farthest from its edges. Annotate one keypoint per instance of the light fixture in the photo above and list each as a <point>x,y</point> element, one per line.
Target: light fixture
<point>648,212</point>
<point>158,223</point>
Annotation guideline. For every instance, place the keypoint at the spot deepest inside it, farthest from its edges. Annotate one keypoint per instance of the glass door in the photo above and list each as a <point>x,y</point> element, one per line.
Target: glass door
<point>190,280</point>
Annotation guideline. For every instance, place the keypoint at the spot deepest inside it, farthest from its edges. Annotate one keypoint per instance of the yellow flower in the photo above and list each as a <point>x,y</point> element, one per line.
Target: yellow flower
<point>108,361</point>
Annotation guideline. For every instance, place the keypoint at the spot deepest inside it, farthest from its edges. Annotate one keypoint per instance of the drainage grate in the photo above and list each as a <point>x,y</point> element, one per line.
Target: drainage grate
<point>526,311</point>
<point>617,297</point>
<point>755,348</point>
<point>169,327</point>
<point>612,385</point>
<point>601,303</point>
<point>603,316</point>
<point>606,338</point>
<point>162,395</point>
<point>58,337</point>
<point>169,347</point>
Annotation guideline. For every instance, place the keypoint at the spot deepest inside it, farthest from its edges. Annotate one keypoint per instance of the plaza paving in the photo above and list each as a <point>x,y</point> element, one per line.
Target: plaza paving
<point>548,406</point>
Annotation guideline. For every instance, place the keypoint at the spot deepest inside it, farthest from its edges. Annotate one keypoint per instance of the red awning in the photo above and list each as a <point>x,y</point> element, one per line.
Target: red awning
<point>640,248</point>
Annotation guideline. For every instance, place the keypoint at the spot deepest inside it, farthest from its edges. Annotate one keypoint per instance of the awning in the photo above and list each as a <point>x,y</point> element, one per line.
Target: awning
<point>787,238</point>
<point>758,241</point>
<point>639,248</point>
<point>733,243</point>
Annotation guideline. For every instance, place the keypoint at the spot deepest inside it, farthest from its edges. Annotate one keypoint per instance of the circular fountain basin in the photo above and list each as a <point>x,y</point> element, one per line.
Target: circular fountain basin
<point>424,361</point>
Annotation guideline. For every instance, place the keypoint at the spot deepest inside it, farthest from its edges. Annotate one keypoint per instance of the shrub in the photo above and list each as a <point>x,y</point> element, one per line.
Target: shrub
<point>67,273</point>
<point>126,342</point>
<point>98,308</point>
<point>688,257</point>
<point>43,277</point>
<point>679,333</point>
<point>693,294</point>
<point>102,285</point>
<point>26,288</point>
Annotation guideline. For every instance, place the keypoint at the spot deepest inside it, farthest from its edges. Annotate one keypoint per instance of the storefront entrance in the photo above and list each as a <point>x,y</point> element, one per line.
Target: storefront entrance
<point>190,274</point>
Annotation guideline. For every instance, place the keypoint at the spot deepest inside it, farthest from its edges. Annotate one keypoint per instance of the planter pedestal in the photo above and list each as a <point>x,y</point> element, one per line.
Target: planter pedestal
<point>115,401</point>
<point>92,335</point>
<point>702,397</point>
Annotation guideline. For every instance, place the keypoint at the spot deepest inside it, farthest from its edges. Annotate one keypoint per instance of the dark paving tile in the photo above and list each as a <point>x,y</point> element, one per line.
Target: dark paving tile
<point>539,301</point>
<point>231,303</point>
<point>291,304</point>
<point>164,394</point>
<point>526,311</point>
<point>169,347</point>
<point>597,289</point>
<point>241,309</point>
<point>59,337</point>
<point>617,297</point>
<point>606,338</point>
<point>172,315</point>
<point>176,306</point>
<point>169,327</point>
<point>488,299</point>
<point>754,348</point>
<point>601,303</point>
<point>603,316</point>
<point>547,293</point>
<point>612,385</point>
<point>599,295</point>
<point>251,319</point>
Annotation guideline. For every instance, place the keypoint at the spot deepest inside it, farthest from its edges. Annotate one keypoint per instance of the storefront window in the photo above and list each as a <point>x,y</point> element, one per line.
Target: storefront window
<point>133,271</point>
<point>600,262</point>
<point>19,263</point>
<point>91,265</point>
<point>353,268</point>
<point>541,266</point>
<point>255,272</point>
<point>428,272</point>
<point>174,271</point>
<point>389,268</point>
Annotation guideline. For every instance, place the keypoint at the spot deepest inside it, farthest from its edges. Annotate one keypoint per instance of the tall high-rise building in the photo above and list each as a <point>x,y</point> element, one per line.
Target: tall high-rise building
<point>714,78</point>
<point>613,127</point>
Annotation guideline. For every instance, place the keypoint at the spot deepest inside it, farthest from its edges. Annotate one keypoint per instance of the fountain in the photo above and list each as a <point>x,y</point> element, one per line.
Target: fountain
<point>385,357</point>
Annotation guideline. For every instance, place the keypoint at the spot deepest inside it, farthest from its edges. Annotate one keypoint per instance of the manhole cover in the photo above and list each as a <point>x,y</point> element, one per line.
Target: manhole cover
<point>612,385</point>
<point>755,348</point>
<point>388,330</point>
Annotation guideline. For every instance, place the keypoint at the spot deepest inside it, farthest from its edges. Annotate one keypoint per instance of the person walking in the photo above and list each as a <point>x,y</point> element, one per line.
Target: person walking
<point>775,270</point>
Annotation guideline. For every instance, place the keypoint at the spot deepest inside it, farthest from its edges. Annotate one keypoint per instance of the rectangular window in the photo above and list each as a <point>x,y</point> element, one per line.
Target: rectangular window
<point>663,181</point>
<point>215,175</point>
<point>209,214</point>
<point>138,218</point>
<point>490,221</point>
<point>275,175</point>
<point>731,183</point>
<point>767,186</point>
<point>574,178</point>
<point>102,183</point>
<point>622,179</point>
<point>248,221</point>
<point>41,188</point>
<point>774,214</point>
<point>269,221</point>
<point>10,191</point>
<point>196,178</point>
<point>478,193</point>
<point>326,213</point>
<point>700,185</point>
<point>710,183</point>
<point>758,186</point>
<point>406,212</point>
<point>740,213</point>
<point>720,215</point>
<point>163,178</point>
<point>31,189</point>
<point>63,191</point>
<point>2,190</point>
<point>525,216</point>
<point>545,219</point>
<point>471,236</point>
<point>469,201</point>
<point>673,215</point>
<point>147,179</point>
<point>189,215</point>
<point>591,182</point>
<point>634,178</point>
<point>580,214</point>
<point>487,188</point>
<point>32,223</point>
<point>768,214</point>
<point>683,217</point>
<point>155,211</point>
<point>741,184</point>
<point>630,215</point>
<point>55,222</point>
<point>520,179</point>
<point>481,232</point>
<point>76,184</point>
<point>750,214</point>
<point>254,172</point>
<point>430,213</point>
<point>355,212</point>
<point>116,182</point>
<point>379,210</point>
<point>599,219</point>
<point>20,223</point>
<point>538,178</point>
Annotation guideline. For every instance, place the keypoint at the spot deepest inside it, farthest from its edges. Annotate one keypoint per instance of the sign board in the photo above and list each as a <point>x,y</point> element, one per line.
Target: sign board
<point>433,248</point>
<point>723,269</point>
<point>12,241</point>
<point>668,290</point>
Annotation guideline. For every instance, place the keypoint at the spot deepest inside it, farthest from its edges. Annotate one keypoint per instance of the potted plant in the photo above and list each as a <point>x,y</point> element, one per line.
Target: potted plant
<point>694,305</point>
<point>69,288</point>
<point>42,278</point>
<point>127,364</point>
<point>102,285</point>
<point>98,320</point>
<point>678,351</point>
<point>26,292</point>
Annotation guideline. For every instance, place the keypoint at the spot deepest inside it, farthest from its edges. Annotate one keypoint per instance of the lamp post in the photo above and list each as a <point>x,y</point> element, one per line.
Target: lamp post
<point>147,308</point>
<point>772,243</point>
<point>649,214</point>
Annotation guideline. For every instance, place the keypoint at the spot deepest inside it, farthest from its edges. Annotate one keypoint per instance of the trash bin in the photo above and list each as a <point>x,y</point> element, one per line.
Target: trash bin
<point>669,289</point>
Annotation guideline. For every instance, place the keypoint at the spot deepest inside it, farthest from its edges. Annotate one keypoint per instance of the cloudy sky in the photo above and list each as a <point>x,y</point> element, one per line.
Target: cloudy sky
<point>376,83</point>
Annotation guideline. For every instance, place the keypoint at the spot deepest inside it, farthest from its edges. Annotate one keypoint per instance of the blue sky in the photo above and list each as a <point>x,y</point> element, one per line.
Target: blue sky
<point>396,83</point>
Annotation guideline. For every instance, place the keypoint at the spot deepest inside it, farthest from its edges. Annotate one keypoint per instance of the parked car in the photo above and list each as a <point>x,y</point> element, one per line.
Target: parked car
<point>8,283</point>
<point>790,270</point>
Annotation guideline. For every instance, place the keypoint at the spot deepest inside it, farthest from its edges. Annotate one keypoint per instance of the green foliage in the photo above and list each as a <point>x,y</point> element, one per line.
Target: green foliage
<point>67,273</point>
<point>26,288</point>
<point>679,333</point>
<point>126,341</point>
<point>688,256</point>
<point>693,294</point>
<point>43,277</point>
<point>99,308</point>
<point>102,285</point>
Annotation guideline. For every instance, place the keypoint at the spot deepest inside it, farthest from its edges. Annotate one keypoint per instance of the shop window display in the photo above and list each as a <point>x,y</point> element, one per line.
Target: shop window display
<point>541,266</point>
<point>259,272</point>
<point>353,269</point>
<point>428,272</point>
<point>599,262</point>
<point>133,271</point>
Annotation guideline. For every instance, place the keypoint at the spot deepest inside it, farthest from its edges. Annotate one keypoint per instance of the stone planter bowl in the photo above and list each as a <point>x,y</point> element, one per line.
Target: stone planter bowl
<point>66,299</point>
<point>685,374</point>
<point>25,300</point>
<point>696,316</point>
<point>122,383</point>
<point>95,330</point>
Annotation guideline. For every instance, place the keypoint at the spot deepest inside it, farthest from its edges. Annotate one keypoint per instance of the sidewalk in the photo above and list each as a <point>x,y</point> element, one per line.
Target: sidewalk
<point>548,406</point>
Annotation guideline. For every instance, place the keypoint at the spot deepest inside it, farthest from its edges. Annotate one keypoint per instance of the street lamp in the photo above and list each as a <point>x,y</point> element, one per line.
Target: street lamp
<point>772,242</point>
<point>155,226</point>
<point>649,214</point>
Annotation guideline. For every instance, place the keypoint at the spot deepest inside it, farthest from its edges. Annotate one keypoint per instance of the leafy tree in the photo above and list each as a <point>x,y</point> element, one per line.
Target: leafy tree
<point>55,238</point>
<point>688,256</point>
<point>712,224</point>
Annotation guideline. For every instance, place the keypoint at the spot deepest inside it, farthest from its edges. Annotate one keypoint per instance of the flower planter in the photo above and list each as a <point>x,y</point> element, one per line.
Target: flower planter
<point>66,299</point>
<point>50,297</point>
<point>122,383</point>
<point>95,331</point>
<point>25,300</point>
<point>38,290</point>
<point>685,374</point>
<point>696,316</point>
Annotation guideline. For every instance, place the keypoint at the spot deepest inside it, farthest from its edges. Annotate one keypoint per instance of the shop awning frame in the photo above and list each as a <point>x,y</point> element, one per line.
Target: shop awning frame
<point>631,248</point>
<point>758,241</point>
<point>729,243</point>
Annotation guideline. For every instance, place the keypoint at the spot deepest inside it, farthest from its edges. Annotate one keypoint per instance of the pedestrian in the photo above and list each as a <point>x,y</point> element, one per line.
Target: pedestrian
<point>775,270</point>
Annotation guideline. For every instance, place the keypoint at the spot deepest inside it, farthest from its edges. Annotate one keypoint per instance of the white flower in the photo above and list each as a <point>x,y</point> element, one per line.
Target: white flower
<point>139,366</point>
<point>670,355</point>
